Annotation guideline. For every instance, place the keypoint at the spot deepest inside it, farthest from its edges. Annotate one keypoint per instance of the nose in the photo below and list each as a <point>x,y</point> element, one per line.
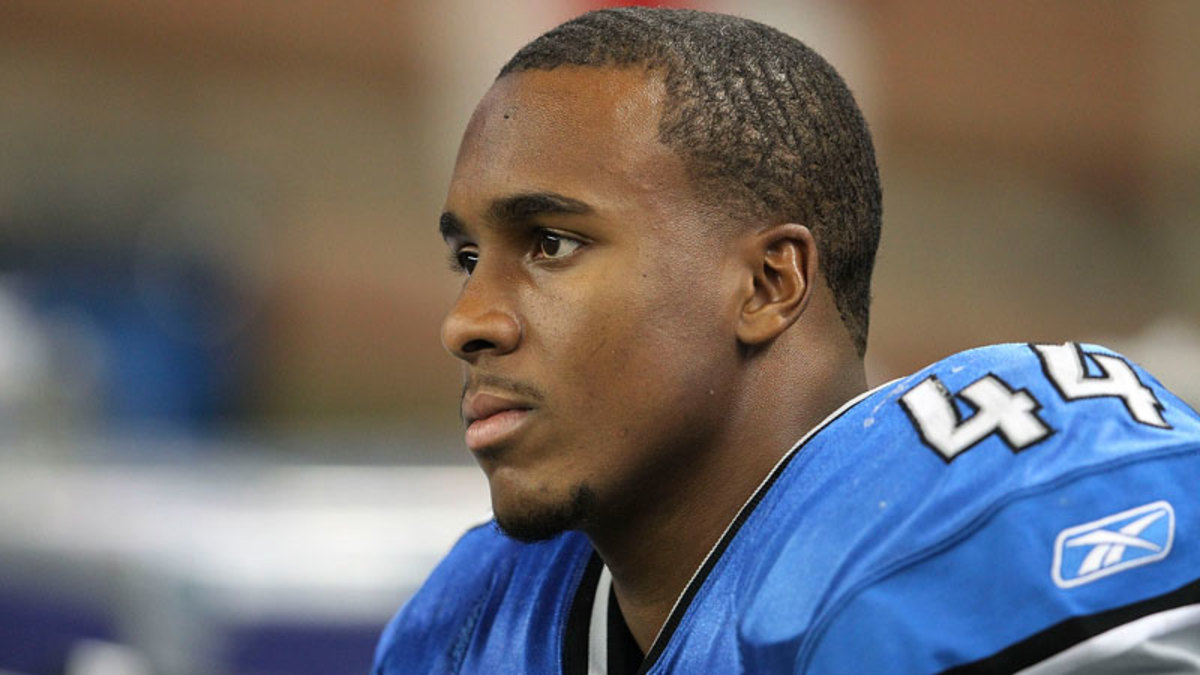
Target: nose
<point>480,323</point>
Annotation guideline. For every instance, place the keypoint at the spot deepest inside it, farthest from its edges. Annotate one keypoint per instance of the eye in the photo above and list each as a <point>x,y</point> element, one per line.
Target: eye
<point>553,246</point>
<point>464,260</point>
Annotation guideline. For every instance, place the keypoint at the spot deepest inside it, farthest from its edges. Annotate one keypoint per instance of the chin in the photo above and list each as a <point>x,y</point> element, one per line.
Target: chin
<point>531,521</point>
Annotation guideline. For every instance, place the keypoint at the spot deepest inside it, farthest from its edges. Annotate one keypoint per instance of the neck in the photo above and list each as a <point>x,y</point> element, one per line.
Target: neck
<point>655,546</point>
<point>653,556</point>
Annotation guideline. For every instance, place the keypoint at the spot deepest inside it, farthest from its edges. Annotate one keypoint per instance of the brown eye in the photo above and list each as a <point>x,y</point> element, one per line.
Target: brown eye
<point>466,260</point>
<point>552,245</point>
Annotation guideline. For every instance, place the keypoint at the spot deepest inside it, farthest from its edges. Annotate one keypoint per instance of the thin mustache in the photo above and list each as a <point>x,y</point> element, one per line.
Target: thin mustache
<point>518,387</point>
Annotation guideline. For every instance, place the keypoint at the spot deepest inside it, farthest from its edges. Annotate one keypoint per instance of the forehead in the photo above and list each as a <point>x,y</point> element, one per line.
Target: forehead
<point>587,133</point>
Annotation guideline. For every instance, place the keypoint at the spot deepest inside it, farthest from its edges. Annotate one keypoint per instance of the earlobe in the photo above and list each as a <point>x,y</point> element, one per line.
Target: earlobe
<point>783,262</point>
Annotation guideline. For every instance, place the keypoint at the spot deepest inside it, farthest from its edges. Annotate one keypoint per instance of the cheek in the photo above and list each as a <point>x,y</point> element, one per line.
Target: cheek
<point>588,336</point>
<point>622,343</point>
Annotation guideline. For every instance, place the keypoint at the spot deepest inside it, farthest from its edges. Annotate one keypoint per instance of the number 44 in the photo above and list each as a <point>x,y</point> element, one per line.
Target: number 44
<point>1013,414</point>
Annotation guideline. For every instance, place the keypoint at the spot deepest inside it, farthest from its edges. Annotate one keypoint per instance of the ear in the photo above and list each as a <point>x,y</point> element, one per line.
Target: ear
<point>782,264</point>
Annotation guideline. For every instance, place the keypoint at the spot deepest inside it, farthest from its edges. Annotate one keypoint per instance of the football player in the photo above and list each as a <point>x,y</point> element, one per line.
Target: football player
<point>666,222</point>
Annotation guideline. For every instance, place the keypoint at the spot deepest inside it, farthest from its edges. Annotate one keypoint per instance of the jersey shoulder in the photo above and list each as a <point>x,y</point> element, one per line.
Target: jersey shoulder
<point>423,635</point>
<point>493,604</point>
<point>1025,394</point>
<point>1049,500</point>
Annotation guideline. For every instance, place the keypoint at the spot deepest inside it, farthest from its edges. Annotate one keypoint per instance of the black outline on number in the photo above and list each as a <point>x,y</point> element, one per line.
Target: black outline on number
<point>997,431</point>
<point>1107,374</point>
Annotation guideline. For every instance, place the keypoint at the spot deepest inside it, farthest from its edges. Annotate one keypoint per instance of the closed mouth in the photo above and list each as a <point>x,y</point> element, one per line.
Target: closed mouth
<point>492,417</point>
<point>485,432</point>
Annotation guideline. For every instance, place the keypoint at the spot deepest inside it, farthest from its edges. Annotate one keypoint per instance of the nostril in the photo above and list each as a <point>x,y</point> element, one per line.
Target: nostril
<point>476,346</point>
<point>469,333</point>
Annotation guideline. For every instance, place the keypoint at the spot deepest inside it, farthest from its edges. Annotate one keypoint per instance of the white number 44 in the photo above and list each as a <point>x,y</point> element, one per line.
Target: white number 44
<point>1013,414</point>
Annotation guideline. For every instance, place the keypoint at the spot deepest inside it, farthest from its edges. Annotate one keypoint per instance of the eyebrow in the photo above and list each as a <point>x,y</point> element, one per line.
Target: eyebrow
<point>517,208</point>
<point>450,226</point>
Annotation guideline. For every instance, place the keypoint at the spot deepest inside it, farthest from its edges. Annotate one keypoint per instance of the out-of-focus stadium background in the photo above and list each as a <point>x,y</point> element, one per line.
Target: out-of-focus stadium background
<point>228,432</point>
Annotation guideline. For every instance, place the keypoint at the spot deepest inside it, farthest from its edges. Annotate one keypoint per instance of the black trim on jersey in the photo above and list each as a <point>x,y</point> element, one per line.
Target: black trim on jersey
<point>624,655</point>
<point>1083,368</point>
<point>579,619</point>
<point>1073,631</point>
<point>953,398</point>
<point>693,587</point>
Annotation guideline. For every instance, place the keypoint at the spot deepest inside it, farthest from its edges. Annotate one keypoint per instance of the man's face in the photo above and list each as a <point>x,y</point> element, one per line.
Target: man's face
<point>596,325</point>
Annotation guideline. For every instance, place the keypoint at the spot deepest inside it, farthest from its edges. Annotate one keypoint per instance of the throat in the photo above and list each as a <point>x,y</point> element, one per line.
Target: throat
<point>641,622</point>
<point>654,553</point>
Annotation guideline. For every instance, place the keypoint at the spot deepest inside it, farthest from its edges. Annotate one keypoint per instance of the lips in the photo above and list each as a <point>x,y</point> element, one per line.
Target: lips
<point>492,419</point>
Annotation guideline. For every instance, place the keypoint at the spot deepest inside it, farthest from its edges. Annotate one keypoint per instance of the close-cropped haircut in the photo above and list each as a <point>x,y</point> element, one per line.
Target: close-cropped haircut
<point>764,125</point>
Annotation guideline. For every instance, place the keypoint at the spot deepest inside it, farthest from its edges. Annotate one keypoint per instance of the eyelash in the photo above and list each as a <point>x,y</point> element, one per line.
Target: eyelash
<point>456,258</point>
<point>455,264</point>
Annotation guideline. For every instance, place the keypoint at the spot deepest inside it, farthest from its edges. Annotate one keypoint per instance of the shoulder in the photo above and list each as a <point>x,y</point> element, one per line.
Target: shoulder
<point>1075,405</point>
<point>1030,497</point>
<point>487,579</point>
<point>424,630</point>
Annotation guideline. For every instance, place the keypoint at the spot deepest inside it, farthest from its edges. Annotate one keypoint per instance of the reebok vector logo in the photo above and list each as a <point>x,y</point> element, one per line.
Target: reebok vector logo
<point>1102,547</point>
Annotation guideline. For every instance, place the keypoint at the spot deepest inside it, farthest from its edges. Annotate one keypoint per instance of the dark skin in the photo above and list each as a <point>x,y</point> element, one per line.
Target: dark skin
<point>620,340</point>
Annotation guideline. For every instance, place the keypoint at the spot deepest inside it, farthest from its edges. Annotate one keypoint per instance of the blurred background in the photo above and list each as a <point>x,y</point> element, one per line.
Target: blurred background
<point>229,439</point>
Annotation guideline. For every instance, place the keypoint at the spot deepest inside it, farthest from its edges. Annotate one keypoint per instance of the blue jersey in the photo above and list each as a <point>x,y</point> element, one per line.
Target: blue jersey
<point>1010,507</point>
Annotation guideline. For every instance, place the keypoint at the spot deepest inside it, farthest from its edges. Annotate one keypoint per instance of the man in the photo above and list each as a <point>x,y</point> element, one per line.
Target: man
<point>667,222</point>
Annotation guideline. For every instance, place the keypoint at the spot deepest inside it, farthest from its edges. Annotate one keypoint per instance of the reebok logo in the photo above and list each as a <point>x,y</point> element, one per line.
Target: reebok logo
<point>1102,547</point>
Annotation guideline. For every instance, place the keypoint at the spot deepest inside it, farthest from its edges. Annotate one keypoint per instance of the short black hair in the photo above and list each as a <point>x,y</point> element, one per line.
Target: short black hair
<point>761,121</point>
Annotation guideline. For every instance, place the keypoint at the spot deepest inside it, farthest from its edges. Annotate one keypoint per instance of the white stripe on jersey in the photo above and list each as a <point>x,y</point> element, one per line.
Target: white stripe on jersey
<point>1150,644</point>
<point>598,630</point>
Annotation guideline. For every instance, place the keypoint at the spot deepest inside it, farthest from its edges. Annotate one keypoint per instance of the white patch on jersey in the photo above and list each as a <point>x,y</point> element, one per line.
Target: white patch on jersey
<point>1141,646</point>
<point>1139,536</point>
<point>598,626</point>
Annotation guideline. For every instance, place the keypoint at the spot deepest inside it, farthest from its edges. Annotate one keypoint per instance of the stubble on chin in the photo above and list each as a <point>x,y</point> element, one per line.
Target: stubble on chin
<point>539,522</point>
